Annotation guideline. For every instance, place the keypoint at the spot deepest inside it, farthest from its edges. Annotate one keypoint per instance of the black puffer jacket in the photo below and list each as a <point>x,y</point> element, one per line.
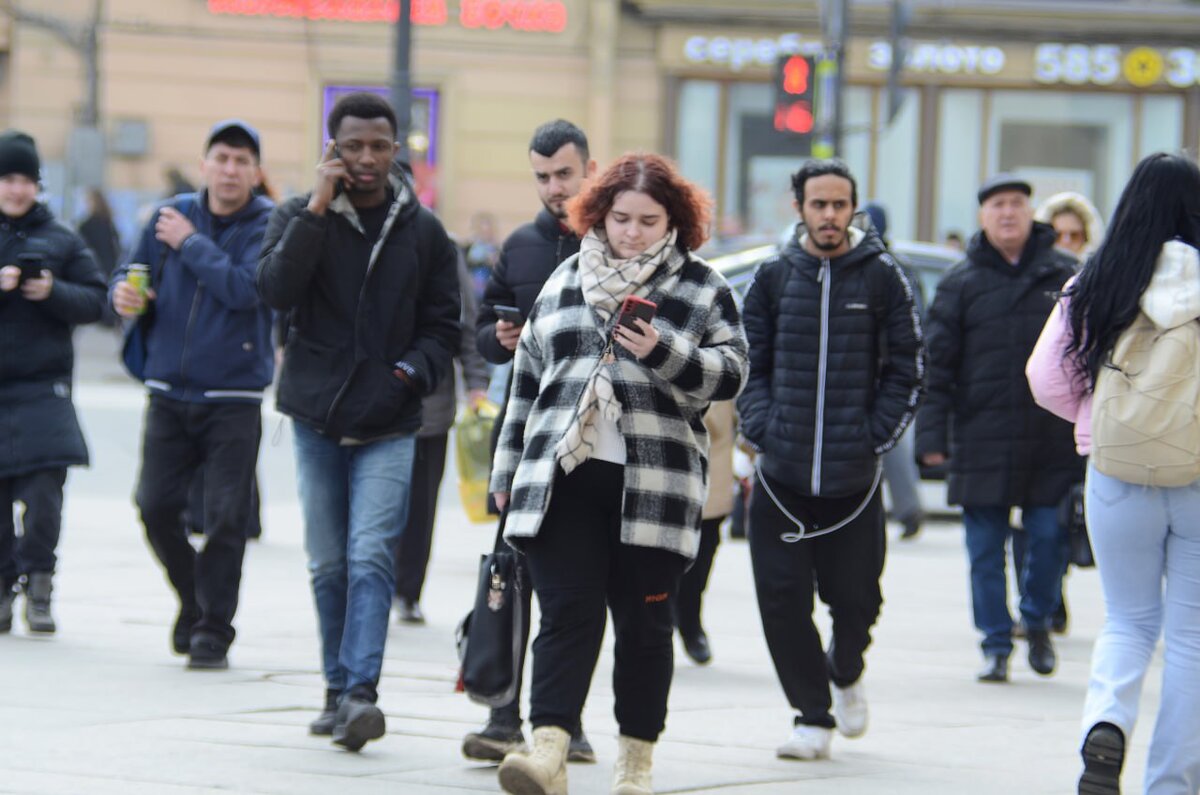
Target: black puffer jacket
<point>528,257</point>
<point>835,365</point>
<point>982,326</point>
<point>359,312</point>
<point>38,426</point>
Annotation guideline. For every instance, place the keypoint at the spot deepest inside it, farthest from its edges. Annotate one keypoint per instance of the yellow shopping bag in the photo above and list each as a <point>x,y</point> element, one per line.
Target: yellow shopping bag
<point>473,452</point>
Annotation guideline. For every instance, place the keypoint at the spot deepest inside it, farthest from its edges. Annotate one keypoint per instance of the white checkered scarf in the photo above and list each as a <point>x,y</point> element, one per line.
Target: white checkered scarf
<point>606,282</point>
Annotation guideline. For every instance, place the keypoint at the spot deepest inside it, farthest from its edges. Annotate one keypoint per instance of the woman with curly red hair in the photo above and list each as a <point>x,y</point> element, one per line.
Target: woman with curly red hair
<point>601,465</point>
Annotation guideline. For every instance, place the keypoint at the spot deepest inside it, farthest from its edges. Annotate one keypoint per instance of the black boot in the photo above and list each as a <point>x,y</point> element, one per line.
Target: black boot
<point>996,669</point>
<point>7,596</point>
<point>37,602</point>
<point>1103,756</point>
<point>1042,658</point>
<point>323,725</point>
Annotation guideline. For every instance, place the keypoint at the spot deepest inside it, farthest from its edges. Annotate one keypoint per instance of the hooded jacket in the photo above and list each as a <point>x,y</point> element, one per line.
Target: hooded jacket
<point>38,426</point>
<point>1084,209</point>
<point>1060,386</point>
<point>983,323</point>
<point>360,311</point>
<point>209,334</point>
<point>836,363</point>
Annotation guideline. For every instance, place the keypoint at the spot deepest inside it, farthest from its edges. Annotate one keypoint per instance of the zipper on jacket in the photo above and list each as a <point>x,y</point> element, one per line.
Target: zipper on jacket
<point>187,336</point>
<point>824,277</point>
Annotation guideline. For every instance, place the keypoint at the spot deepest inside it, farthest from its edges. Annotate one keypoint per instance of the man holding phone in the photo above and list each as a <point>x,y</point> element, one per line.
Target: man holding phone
<point>370,279</point>
<point>49,283</point>
<point>558,155</point>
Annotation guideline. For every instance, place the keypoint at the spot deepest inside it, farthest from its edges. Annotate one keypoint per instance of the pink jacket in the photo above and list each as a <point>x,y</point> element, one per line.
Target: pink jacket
<point>1058,385</point>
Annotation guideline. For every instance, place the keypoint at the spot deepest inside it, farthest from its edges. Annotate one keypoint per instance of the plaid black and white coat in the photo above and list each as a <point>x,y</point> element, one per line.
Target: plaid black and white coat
<point>701,357</point>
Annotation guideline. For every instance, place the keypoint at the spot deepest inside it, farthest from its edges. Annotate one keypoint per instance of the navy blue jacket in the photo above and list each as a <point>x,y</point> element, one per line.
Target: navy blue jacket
<point>209,338</point>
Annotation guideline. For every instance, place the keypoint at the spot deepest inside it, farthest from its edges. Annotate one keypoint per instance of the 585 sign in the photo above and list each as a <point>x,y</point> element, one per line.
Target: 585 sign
<point>1105,64</point>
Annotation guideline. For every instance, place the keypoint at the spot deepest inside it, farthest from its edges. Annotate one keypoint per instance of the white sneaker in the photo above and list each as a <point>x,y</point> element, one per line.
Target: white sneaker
<point>806,742</point>
<point>850,710</point>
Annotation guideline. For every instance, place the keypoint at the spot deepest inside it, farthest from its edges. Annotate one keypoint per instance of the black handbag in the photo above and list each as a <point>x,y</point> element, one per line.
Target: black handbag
<point>1071,516</point>
<point>490,637</point>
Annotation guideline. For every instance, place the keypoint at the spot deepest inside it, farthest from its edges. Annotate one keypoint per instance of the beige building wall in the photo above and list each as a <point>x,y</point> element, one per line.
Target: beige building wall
<point>178,67</point>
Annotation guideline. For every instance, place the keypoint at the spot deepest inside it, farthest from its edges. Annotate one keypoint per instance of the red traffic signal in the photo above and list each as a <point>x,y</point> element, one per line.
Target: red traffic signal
<point>795,94</point>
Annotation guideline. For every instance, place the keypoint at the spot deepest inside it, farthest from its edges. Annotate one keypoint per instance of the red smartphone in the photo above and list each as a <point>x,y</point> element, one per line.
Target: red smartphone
<point>636,307</point>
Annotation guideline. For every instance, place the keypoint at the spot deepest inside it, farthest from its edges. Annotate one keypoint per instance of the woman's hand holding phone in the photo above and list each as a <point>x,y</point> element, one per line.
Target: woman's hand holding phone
<point>633,330</point>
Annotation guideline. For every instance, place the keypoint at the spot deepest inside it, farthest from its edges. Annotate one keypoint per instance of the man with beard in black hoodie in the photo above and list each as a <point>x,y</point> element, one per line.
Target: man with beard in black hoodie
<point>558,154</point>
<point>371,281</point>
<point>835,375</point>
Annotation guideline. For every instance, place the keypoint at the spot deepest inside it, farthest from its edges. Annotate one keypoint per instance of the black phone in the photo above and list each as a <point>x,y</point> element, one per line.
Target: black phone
<point>31,264</point>
<point>340,187</point>
<point>634,307</point>
<point>509,314</point>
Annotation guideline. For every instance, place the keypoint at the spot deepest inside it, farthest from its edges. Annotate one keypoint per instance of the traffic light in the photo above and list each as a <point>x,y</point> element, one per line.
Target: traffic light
<point>795,94</point>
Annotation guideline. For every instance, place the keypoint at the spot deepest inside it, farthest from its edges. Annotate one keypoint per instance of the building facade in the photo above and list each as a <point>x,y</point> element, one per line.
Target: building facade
<point>1070,92</point>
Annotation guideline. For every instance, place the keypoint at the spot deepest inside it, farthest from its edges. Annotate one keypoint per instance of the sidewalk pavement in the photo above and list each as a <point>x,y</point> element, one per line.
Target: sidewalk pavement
<point>104,707</point>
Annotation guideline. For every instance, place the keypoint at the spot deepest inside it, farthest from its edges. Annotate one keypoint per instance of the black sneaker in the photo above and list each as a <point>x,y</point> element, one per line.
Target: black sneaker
<point>205,654</point>
<point>697,648</point>
<point>994,670</point>
<point>493,742</point>
<point>1042,658</point>
<point>580,750</point>
<point>1103,756</point>
<point>323,725</point>
<point>357,721</point>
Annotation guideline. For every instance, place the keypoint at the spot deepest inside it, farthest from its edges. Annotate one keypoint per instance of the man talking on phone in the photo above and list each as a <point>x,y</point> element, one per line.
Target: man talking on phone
<point>558,155</point>
<point>370,280</point>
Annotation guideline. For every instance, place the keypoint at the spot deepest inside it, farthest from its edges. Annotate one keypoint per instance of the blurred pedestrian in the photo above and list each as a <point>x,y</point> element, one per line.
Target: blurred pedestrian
<point>954,240</point>
<point>561,165</point>
<point>835,376</point>
<point>369,278</point>
<point>900,471</point>
<point>49,283</point>
<point>100,233</point>
<point>721,424</point>
<point>208,361</point>
<point>603,452</point>
<point>1146,539</point>
<point>438,410</point>
<point>1003,451</point>
<point>1076,221</point>
<point>482,251</point>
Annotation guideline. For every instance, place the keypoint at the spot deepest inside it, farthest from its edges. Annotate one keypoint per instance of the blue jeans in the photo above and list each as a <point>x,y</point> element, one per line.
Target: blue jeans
<point>355,503</point>
<point>1147,545</point>
<point>1041,576</point>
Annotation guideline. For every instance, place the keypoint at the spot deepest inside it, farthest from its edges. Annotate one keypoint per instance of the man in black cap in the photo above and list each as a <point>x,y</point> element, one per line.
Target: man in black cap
<point>979,416</point>
<point>208,359</point>
<point>49,283</point>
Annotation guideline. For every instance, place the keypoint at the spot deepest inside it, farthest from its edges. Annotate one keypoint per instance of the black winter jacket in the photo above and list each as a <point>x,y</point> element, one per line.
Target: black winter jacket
<point>527,258</point>
<point>360,312</point>
<point>38,426</point>
<point>836,364</point>
<point>983,323</point>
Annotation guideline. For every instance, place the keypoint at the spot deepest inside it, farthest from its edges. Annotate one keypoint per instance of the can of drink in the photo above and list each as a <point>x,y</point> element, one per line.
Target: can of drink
<point>139,276</point>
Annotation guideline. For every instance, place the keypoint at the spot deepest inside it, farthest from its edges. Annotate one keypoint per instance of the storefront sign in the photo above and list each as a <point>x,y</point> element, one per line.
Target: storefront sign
<point>543,16</point>
<point>949,59</point>
<point>1105,64</point>
<point>738,53</point>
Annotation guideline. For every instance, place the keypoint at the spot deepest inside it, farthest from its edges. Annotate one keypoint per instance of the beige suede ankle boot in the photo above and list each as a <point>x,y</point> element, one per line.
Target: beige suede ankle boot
<point>632,771</point>
<point>541,771</point>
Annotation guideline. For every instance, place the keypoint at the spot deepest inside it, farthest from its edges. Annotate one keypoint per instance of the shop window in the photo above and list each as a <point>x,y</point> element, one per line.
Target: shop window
<point>1161,125</point>
<point>698,132</point>
<point>897,182</point>
<point>960,153</point>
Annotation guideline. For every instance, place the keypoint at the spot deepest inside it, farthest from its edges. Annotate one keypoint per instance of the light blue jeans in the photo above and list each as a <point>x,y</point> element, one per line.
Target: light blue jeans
<point>1147,547</point>
<point>355,504</point>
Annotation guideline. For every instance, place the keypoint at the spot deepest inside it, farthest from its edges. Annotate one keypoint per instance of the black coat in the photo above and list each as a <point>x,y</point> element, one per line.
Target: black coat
<point>982,326</point>
<point>361,312</point>
<point>835,366</point>
<point>527,258</point>
<point>38,426</point>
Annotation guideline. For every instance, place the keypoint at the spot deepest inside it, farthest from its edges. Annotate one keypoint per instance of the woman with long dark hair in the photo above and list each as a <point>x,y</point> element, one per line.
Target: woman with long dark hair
<point>601,462</point>
<point>1146,538</point>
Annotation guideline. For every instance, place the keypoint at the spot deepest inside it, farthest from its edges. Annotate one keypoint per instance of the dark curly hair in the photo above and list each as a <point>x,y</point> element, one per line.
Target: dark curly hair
<point>688,207</point>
